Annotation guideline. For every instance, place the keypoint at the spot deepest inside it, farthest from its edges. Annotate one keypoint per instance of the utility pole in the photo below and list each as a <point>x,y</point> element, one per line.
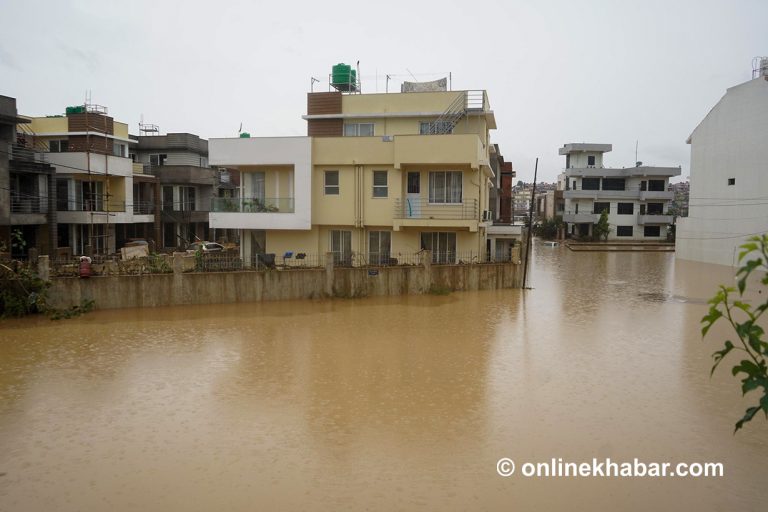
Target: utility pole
<point>530,225</point>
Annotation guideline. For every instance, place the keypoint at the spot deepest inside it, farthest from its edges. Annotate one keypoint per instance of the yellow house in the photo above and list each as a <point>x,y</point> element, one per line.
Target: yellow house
<point>378,178</point>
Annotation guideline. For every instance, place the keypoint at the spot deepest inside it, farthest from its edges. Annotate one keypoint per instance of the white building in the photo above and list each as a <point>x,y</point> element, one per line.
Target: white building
<point>729,175</point>
<point>636,198</point>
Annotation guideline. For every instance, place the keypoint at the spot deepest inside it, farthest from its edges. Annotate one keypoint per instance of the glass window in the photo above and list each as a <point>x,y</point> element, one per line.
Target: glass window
<point>341,247</point>
<point>614,184</point>
<point>591,160</point>
<point>414,183</point>
<point>358,130</point>
<point>656,185</point>
<point>599,207</point>
<point>652,231</point>
<point>379,246</point>
<point>626,208</point>
<point>623,230</point>
<point>442,245</point>
<point>655,208</point>
<point>380,188</point>
<point>331,183</point>
<point>445,187</point>
<point>589,184</point>
<point>435,128</point>
<point>58,146</point>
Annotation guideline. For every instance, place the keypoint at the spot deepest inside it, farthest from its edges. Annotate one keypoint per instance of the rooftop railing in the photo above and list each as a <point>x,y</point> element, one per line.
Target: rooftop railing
<point>253,205</point>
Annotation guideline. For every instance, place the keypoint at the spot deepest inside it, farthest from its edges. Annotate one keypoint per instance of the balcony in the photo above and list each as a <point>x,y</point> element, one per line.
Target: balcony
<point>580,218</point>
<point>252,205</point>
<point>143,207</point>
<point>664,195</point>
<point>607,172</point>
<point>654,218</point>
<point>422,213</point>
<point>601,194</point>
<point>28,205</point>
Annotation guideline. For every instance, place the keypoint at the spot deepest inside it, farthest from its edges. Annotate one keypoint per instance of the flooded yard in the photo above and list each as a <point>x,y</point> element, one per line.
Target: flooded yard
<point>396,403</point>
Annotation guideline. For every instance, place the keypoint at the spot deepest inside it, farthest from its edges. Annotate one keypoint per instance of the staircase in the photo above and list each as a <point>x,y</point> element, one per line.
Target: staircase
<point>468,101</point>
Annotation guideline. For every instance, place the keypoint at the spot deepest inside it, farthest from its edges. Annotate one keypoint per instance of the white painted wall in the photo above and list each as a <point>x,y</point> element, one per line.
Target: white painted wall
<point>296,151</point>
<point>731,142</point>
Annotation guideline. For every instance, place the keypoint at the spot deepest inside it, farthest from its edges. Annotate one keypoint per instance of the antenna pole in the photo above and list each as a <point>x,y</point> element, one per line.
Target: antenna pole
<point>530,225</point>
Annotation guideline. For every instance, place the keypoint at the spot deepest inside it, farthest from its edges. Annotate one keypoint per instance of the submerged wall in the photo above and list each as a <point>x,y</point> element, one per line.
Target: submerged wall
<point>178,288</point>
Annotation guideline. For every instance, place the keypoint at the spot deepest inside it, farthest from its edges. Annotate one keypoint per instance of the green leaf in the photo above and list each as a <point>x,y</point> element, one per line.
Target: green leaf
<point>747,417</point>
<point>764,404</point>
<point>745,366</point>
<point>719,355</point>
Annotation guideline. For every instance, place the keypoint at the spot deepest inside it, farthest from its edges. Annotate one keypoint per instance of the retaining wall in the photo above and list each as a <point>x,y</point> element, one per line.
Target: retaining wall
<point>178,288</point>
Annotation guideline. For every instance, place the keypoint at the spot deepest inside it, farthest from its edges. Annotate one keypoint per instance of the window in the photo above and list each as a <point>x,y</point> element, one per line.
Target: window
<point>655,208</point>
<point>331,183</point>
<point>132,156</point>
<point>58,146</point>
<point>591,160</point>
<point>656,185</point>
<point>599,207</point>
<point>445,187</point>
<point>643,185</point>
<point>567,161</point>
<point>358,130</point>
<point>341,247</point>
<point>62,195</point>
<point>414,183</point>
<point>169,234</point>
<point>380,188</point>
<point>731,181</point>
<point>187,198</point>
<point>118,149</point>
<point>589,184</point>
<point>437,127</point>
<point>379,246</point>
<point>623,230</point>
<point>442,245</point>
<point>652,231</point>
<point>626,208</point>
<point>614,184</point>
<point>157,159</point>
<point>168,200</point>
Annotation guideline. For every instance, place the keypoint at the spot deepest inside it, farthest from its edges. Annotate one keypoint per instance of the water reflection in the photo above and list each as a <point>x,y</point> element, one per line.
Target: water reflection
<point>386,403</point>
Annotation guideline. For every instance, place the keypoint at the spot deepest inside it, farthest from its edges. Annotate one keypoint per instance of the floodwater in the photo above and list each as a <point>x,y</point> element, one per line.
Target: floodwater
<point>401,403</point>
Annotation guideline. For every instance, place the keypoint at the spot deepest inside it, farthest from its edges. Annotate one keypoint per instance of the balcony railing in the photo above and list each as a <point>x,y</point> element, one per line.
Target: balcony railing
<point>28,205</point>
<point>654,218</point>
<point>89,205</point>
<point>143,207</point>
<point>252,204</point>
<point>25,154</point>
<point>424,209</point>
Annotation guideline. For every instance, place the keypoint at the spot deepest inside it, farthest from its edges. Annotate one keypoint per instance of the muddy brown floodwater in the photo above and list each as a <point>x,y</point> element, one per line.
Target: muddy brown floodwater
<point>402,403</point>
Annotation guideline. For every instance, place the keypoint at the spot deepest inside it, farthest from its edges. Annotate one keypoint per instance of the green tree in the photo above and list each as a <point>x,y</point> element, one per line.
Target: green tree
<point>548,227</point>
<point>743,318</point>
<point>602,229</point>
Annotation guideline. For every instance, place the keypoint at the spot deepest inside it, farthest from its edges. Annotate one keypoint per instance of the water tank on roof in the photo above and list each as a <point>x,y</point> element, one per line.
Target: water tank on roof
<point>343,77</point>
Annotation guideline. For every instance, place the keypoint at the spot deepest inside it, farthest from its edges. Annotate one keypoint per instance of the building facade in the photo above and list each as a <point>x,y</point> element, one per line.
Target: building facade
<point>95,179</point>
<point>27,189</point>
<point>185,186</point>
<point>729,183</point>
<point>637,198</point>
<point>378,178</point>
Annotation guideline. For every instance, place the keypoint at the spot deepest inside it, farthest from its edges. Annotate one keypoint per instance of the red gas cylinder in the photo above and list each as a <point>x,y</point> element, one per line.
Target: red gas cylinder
<point>85,267</point>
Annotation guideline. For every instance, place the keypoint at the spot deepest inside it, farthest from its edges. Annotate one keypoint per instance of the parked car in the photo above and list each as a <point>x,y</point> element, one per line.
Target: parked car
<point>205,247</point>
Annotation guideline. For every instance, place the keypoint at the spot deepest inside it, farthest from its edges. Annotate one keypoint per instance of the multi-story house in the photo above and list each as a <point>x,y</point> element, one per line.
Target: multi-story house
<point>502,233</point>
<point>95,179</point>
<point>729,183</point>
<point>187,184</point>
<point>27,189</point>
<point>378,177</point>
<point>636,198</point>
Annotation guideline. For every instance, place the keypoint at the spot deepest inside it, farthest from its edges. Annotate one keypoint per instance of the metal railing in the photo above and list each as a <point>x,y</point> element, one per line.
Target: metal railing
<point>143,207</point>
<point>424,209</point>
<point>29,205</point>
<point>24,154</point>
<point>252,204</point>
<point>89,205</point>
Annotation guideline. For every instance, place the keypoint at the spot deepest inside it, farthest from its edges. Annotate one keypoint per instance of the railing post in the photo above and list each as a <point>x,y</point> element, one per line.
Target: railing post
<point>44,267</point>
<point>329,273</point>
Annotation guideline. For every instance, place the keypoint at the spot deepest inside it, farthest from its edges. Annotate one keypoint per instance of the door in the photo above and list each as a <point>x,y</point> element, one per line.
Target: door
<point>413,195</point>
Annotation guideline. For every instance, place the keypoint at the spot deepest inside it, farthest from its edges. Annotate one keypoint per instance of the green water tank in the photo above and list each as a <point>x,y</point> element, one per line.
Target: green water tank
<point>245,135</point>
<point>341,74</point>
<point>77,109</point>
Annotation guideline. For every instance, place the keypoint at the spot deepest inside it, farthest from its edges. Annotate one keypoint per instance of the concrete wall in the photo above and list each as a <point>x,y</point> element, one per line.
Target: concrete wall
<point>729,143</point>
<point>152,290</point>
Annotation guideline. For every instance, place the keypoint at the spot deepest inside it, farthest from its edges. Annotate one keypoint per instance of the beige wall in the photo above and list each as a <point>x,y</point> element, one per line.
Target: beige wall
<point>411,102</point>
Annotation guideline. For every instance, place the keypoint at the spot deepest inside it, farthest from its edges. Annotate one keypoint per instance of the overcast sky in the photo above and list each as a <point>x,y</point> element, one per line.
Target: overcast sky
<point>555,71</point>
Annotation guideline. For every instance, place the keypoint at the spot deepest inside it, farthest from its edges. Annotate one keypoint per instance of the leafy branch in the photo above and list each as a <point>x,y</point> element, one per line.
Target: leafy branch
<point>752,370</point>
